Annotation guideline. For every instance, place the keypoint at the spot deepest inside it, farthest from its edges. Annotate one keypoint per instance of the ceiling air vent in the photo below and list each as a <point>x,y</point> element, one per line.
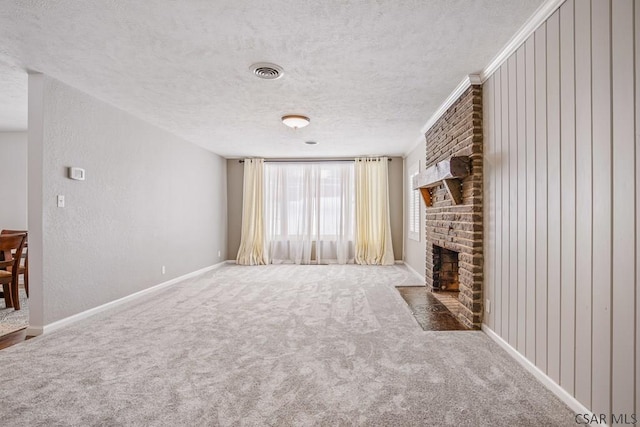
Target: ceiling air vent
<point>267,71</point>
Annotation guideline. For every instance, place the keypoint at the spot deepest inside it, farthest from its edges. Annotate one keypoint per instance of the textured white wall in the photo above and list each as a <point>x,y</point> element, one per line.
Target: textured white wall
<point>235,178</point>
<point>562,202</point>
<point>414,251</point>
<point>149,199</point>
<point>396,207</point>
<point>13,176</point>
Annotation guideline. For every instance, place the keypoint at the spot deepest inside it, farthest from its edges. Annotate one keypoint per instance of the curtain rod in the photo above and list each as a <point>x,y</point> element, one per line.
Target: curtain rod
<point>308,160</point>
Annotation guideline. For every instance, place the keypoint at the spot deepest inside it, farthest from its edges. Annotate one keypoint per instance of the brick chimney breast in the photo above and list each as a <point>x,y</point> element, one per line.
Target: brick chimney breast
<point>458,227</point>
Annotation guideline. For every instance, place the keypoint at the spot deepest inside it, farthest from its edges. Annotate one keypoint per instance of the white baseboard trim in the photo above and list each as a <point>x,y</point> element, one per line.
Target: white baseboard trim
<point>554,387</point>
<point>39,330</point>
<point>34,331</point>
<point>422,280</point>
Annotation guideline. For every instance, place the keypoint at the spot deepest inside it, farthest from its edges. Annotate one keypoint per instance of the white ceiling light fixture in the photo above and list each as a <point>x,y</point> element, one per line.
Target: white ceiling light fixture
<point>295,121</point>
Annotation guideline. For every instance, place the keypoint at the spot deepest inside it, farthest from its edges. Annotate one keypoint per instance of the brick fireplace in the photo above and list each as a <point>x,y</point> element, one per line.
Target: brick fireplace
<point>454,206</point>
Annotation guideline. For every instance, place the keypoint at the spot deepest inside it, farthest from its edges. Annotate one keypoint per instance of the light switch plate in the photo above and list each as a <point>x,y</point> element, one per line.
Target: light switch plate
<point>60,201</point>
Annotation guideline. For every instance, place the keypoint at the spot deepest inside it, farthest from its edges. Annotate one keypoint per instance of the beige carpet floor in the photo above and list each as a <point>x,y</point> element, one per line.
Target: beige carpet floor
<point>270,346</point>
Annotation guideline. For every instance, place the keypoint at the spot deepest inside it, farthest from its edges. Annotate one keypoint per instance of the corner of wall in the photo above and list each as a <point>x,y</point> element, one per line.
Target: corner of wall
<point>35,147</point>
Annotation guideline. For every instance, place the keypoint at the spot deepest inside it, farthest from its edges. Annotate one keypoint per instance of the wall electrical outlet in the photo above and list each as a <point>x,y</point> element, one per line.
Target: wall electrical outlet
<point>60,201</point>
<point>163,270</point>
<point>487,306</point>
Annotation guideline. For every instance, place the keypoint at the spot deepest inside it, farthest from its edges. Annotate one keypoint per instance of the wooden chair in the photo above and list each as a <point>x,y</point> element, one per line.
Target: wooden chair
<point>11,246</point>
<point>24,268</point>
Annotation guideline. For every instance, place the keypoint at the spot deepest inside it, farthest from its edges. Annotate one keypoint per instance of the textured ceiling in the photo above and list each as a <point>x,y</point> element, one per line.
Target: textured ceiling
<point>369,73</point>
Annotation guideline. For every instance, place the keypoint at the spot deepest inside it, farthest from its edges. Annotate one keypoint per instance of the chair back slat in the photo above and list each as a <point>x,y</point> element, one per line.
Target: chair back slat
<point>11,246</point>
<point>23,267</point>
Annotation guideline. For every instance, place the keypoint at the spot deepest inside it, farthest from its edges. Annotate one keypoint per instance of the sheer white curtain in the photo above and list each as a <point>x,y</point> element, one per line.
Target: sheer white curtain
<point>373,232</point>
<point>310,206</point>
<point>252,241</point>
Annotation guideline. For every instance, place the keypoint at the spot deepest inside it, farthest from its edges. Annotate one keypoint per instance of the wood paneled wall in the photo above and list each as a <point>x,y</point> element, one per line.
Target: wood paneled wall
<point>562,201</point>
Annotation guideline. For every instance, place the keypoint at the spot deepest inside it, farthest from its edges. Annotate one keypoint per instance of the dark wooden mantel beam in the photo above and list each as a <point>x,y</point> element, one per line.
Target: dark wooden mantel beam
<point>447,172</point>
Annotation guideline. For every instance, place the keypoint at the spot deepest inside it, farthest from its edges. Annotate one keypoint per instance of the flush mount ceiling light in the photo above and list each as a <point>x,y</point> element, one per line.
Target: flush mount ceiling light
<point>267,71</point>
<point>295,121</point>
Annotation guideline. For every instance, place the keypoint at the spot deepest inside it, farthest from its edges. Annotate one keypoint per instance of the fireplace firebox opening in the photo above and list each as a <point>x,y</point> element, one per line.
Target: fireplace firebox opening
<point>445,270</point>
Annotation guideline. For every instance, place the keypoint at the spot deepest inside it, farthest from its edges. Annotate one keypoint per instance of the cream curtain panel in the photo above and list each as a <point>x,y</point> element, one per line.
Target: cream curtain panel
<point>373,223</point>
<point>252,242</point>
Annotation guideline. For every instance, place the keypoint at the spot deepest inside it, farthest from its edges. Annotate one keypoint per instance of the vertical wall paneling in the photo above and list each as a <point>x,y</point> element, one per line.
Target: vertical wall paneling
<point>499,161</point>
<point>567,198</point>
<point>513,203</point>
<point>541,196</point>
<point>637,222</point>
<point>622,304</point>
<point>553,195</point>
<point>565,179</point>
<point>530,108</point>
<point>602,205</point>
<point>584,201</point>
<point>489,203</point>
<point>506,206</point>
<point>522,200</point>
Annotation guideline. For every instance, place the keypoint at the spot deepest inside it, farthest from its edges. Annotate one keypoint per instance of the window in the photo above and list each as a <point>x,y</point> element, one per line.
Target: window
<point>310,208</point>
<point>413,229</point>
